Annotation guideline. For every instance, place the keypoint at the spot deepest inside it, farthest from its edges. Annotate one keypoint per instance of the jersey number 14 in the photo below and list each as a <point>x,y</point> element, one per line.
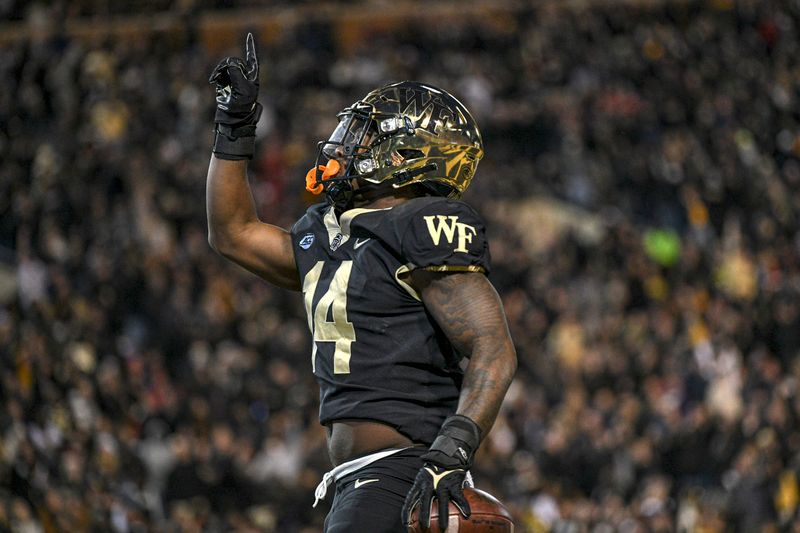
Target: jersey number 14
<point>334,304</point>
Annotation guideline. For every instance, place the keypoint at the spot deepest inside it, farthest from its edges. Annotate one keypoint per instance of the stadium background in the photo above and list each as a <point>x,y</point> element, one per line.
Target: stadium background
<point>641,187</point>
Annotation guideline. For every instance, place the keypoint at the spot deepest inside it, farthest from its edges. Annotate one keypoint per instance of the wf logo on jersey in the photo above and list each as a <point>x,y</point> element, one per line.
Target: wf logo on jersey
<point>450,226</point>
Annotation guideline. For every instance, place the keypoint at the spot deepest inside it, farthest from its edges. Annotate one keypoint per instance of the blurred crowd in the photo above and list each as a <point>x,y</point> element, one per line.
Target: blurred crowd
<point>17,10</point>
<point>642,189</point>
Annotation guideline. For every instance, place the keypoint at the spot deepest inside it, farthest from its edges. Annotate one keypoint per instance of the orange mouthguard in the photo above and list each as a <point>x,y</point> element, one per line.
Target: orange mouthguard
<point>328,171</point>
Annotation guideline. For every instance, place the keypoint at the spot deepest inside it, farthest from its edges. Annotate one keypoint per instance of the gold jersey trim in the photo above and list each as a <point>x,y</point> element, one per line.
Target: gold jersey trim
<point>340,229</point>
<point>405,269</point>
<point>454,268</point>
<point>408,267</point>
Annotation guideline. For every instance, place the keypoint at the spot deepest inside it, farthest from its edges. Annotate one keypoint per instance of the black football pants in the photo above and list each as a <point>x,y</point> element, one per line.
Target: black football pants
<point>369,500</point>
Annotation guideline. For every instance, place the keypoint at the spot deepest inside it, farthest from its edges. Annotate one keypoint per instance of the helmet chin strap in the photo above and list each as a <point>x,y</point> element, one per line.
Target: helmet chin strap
<point>371,192</point>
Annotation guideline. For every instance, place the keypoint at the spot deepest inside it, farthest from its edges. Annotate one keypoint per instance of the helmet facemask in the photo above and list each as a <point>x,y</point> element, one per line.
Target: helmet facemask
<point>398,135</point>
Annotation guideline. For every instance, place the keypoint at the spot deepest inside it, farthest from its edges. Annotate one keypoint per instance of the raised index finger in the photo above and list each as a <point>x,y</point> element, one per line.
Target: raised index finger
<point>251,60</point>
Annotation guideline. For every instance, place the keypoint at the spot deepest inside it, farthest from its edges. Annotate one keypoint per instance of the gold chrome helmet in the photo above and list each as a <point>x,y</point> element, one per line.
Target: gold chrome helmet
<point>397,135</point>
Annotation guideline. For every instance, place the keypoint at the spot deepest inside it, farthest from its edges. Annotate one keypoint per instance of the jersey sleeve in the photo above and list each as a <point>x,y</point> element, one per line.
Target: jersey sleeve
<point>446,236</point>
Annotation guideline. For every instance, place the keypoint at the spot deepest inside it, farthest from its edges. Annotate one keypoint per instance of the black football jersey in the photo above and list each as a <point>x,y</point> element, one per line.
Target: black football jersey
<point>377,354</point>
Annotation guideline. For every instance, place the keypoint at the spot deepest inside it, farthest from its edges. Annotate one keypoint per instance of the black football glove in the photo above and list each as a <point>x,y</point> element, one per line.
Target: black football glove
<point>444,473</point>
<point>237,109</point>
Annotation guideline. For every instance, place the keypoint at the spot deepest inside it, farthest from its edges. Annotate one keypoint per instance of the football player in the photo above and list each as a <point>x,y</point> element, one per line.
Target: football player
<point>411,348</point>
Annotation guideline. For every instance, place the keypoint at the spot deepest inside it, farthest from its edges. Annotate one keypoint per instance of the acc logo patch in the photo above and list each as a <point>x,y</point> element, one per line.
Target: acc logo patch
<point>307,241</point>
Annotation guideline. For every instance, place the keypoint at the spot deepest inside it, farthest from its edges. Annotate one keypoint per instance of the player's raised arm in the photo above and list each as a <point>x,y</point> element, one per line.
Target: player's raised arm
<point>234,229</point>
<point>469,311</point>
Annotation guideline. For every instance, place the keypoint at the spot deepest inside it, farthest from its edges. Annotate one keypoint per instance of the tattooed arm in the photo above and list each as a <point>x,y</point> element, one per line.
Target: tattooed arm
<point>469,311</point>
<point>467,308</point>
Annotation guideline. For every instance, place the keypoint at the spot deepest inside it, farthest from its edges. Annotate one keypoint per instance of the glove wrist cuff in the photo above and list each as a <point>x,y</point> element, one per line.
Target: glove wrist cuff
<point>234,143</point>
<point>456,443</point>
<point>462,428</point>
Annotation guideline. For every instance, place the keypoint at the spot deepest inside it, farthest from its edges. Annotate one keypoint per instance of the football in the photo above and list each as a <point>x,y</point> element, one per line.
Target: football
<point>488,516</point>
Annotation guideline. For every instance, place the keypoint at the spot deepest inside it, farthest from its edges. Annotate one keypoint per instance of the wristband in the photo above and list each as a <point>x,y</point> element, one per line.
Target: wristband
<point>456,443</point>
<point>234,144</point>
